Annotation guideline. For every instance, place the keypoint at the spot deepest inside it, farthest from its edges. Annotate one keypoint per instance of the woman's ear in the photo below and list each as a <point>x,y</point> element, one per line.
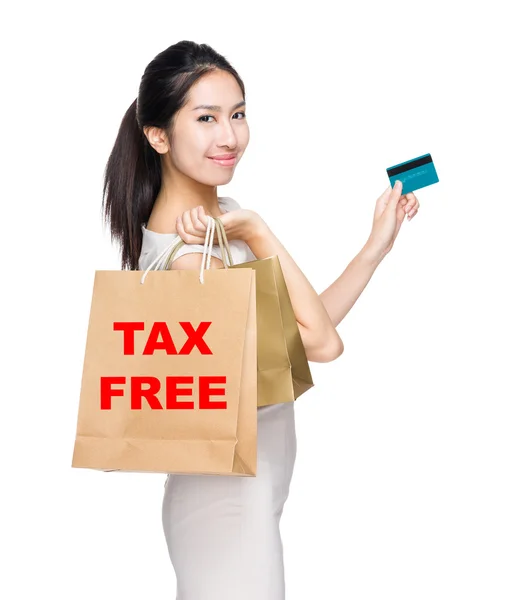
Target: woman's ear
<point>157,139</point>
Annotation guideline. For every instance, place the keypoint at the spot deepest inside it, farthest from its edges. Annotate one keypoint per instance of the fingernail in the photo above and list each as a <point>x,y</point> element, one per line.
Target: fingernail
<point>397,184</point>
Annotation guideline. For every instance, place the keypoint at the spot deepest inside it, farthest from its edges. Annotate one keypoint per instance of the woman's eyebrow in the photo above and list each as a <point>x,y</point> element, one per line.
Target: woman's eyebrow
<point>218,108</point>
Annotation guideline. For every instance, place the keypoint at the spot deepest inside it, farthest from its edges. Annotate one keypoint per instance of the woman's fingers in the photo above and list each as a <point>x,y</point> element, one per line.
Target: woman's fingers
<point>411,204</point>
<point>199,219</point>
<point>187,222</point>
<point>192,226</point>
<point>181,229</point>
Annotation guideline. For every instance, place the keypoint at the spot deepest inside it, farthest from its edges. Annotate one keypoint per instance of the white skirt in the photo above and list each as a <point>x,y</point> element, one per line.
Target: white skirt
<point>223,531</point>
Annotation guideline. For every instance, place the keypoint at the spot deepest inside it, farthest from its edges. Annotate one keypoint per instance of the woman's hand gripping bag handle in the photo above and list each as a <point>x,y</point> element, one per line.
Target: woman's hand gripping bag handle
<point>223,244</point>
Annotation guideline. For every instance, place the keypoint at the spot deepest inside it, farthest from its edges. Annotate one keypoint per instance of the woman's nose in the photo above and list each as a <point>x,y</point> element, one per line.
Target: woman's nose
<point>227,137</point>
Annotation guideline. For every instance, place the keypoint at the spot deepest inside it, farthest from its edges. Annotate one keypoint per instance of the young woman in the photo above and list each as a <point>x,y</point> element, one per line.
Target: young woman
<point>181,138</point>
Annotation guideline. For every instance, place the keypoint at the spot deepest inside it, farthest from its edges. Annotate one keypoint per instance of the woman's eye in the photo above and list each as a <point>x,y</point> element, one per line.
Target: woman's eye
<point>211,117</point>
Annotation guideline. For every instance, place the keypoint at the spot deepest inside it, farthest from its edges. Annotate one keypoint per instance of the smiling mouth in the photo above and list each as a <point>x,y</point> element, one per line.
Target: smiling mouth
<point>225,162</point>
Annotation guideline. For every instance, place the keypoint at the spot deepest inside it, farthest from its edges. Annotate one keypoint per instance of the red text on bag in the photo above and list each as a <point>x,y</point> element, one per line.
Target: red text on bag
<point>171,392</point>
<point>160,328</point>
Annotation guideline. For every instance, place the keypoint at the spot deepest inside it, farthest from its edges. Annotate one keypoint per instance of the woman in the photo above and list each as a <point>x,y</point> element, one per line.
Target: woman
<point>179,140</point>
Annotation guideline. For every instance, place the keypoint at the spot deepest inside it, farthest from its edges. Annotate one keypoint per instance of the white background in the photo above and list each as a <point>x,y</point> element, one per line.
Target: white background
<point>401,488</point>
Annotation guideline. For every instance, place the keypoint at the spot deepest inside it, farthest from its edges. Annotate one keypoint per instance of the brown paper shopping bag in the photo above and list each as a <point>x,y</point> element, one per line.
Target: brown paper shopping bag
<point>283,367</point>
<point>169,377</point>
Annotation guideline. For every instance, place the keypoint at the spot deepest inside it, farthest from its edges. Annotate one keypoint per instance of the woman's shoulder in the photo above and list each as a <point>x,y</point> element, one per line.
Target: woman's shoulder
<point>228,203</point>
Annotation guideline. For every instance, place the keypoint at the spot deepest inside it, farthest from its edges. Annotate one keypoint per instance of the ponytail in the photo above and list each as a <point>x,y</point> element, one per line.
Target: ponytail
<point>131,182</point>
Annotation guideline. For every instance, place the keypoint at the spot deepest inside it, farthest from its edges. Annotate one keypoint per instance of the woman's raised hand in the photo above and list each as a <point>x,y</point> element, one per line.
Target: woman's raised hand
<point>390,210</point>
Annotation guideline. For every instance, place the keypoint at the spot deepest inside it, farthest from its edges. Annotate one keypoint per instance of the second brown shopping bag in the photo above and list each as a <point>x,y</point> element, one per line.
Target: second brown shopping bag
<point>282,364</point>
<point>169,377</point>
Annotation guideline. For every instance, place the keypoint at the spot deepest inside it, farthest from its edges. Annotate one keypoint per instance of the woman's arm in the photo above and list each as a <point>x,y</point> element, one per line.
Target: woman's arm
<point>319,336</point>
<point>343,293</point>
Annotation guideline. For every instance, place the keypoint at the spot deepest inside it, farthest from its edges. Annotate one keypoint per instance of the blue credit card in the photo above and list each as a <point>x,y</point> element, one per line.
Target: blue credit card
<point>414,174</point>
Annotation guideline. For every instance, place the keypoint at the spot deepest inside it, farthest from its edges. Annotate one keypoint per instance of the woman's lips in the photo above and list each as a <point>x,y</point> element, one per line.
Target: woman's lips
<point>229,162</point>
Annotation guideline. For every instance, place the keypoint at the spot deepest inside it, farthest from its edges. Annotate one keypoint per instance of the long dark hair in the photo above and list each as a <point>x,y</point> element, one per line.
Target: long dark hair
<point>132,176</point>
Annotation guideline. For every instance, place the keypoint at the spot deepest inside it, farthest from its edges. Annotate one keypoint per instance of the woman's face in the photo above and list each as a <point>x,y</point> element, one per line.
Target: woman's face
<point>202,133</point>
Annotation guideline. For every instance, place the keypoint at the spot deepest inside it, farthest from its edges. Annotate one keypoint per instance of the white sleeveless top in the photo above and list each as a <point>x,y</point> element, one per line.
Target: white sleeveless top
<point>154,243</point>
